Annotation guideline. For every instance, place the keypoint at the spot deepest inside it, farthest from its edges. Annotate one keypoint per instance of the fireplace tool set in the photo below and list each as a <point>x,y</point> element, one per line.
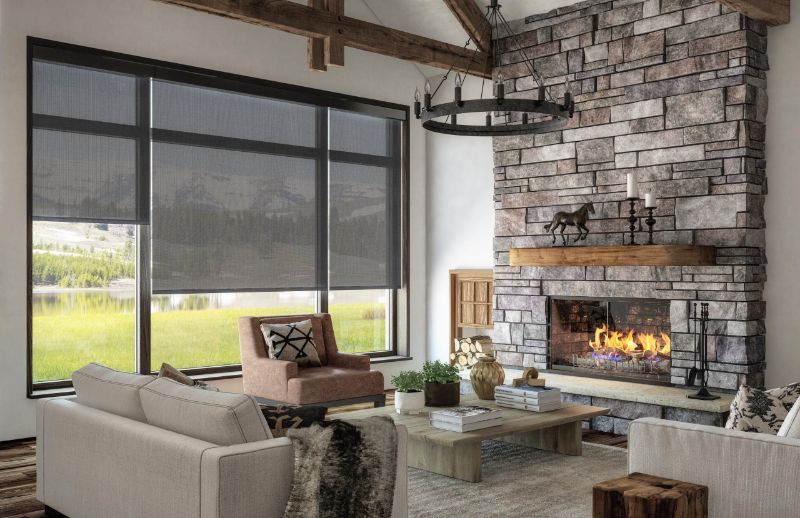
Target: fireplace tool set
<point>700,353</point>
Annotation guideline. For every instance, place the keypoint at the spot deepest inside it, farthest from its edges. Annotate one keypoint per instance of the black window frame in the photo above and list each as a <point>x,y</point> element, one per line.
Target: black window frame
<point>38,48</point>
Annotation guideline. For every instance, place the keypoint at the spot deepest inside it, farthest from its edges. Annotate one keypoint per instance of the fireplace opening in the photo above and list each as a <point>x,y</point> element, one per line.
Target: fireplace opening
<point>611,338</point>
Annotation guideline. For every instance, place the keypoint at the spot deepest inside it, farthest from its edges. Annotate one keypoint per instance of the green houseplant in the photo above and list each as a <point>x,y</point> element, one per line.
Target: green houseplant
<point>409,397</point>
<point>442,383</point>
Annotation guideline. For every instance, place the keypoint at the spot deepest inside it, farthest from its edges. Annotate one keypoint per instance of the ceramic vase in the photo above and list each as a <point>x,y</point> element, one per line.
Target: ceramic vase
<point>409,402</point>
<point>485,376</point>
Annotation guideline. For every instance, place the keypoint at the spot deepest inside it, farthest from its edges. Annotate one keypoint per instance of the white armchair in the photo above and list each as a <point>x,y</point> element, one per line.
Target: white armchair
<point>748,474</point>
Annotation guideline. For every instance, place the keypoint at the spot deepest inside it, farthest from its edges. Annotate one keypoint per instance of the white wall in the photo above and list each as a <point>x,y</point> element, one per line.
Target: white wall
<point>460,204</point>
<point>154,30</point>
<point>782,208</point>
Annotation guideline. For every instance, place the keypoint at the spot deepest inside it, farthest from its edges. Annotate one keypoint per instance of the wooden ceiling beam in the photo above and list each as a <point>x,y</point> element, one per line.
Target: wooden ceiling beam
<point>771,12</point>
<point>474,21</point>
<point>307,21</point>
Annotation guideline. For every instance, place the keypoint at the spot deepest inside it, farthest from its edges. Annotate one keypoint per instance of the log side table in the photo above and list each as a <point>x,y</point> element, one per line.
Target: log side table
<point>647,496</point>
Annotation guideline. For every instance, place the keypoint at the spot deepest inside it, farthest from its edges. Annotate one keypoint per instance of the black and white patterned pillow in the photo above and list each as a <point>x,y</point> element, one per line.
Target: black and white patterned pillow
<point>762,411</point>
<point>292,342</point>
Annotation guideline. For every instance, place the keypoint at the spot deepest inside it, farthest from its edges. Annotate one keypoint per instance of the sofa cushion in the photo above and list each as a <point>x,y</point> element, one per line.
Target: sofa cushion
<point>111,391</point>
<point>222,418</point>
<point>763,411</point>
<point>292,342</point>
<point>332,383</point>
<point>791,426</point>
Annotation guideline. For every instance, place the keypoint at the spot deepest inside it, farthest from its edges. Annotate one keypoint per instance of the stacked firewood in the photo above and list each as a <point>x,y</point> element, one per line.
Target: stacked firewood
<point>469,349</point>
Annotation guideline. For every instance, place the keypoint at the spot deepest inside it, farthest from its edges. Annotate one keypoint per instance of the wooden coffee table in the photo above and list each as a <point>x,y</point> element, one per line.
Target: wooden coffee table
<point>458,455</point>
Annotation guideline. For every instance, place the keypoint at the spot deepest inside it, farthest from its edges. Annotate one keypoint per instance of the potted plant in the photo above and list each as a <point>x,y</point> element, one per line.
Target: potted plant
<point>442,384</point>
<point>409,397</point>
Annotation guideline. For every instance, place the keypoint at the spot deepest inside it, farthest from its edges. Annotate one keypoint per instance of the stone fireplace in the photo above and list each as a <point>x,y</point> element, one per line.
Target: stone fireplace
<point>675,91</point>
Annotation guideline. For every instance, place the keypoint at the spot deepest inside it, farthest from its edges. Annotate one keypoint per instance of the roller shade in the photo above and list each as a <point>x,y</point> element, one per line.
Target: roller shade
<point>364,206</point>
<point>86,145</point>
<point>235,204</point>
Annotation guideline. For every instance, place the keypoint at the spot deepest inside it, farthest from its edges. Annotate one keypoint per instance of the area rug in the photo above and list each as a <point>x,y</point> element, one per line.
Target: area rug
<point>518,481</point>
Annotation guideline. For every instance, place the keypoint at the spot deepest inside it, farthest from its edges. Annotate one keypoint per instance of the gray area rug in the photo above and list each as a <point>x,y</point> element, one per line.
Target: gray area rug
<point>518,482</point>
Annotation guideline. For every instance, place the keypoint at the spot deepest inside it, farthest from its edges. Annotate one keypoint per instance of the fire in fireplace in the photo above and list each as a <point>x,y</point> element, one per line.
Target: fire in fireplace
<point>618,338</point>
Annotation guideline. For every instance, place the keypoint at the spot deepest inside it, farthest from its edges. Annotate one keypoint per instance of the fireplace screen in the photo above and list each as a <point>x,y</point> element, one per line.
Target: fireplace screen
<point>621,338</point>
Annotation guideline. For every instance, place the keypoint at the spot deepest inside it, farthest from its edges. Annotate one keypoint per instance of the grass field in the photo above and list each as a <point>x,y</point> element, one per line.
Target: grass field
<point>66,342</point>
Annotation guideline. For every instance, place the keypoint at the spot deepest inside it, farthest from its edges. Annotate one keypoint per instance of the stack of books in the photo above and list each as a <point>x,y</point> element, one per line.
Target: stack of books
<point>466,418</point>
<point>535,399</point>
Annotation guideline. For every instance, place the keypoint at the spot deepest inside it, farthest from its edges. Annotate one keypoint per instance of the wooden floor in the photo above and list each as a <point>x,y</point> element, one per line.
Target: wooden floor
<point>18,468</point>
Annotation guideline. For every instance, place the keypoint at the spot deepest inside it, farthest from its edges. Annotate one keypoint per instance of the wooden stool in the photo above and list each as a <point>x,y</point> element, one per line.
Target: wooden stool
<point>647,496</point>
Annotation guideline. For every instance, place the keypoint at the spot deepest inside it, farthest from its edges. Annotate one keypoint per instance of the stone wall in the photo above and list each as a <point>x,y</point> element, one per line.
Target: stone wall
<point>676,91</point>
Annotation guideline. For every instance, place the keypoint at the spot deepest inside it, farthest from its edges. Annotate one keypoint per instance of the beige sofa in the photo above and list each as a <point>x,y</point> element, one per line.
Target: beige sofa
<point>135,446</point>
<point>748,474</point>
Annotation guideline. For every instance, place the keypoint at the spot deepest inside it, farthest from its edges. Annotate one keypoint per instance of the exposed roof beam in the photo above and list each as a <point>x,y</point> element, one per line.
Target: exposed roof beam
<point>319,23</point>
<point>771,12</point>
<point>474,22</point>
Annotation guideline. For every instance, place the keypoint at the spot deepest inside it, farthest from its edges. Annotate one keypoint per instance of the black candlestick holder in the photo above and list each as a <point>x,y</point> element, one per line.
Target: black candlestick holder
<point>632,219</point>
<point>651,221</point>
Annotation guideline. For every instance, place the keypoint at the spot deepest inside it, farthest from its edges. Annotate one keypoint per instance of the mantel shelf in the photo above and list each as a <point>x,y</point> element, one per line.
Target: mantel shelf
<point>635,255</point>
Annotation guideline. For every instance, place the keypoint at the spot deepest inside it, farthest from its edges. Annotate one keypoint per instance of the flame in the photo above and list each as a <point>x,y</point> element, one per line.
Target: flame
<point>614,342</point>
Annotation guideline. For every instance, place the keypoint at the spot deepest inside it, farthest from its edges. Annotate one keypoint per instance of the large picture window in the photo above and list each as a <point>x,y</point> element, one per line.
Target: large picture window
<point>167,201</point>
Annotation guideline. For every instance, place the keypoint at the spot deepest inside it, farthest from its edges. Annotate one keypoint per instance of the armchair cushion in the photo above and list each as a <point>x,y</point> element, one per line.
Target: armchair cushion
<point>791,426</point>
<point>763,411</point>
<point>316,329</point>
<point>332,383</point>
<point>293,341</point>
<point>221,418</point>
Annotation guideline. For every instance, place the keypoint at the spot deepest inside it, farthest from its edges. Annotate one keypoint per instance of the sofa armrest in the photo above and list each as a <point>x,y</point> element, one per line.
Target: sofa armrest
<point>747,474</point>
<point>268,378</point>
<point>250,480</point>
<point>350,361</point>
<point>400,504</point>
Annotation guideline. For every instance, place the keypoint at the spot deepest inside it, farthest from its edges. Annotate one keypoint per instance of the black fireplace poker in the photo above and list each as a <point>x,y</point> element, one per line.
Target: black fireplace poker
<point>701,349</point>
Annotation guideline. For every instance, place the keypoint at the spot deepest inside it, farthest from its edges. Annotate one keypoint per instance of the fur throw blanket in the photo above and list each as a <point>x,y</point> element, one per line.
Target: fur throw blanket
<point>344,469</point>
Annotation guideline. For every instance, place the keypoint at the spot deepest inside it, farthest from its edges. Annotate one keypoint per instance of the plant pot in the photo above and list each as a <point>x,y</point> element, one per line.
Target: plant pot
<point>485,376</point>
<point>442,394</point>
<point>409,402</point>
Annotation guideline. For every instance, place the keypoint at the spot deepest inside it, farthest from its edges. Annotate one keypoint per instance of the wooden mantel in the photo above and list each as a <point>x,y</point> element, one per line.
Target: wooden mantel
<point>637,255</point>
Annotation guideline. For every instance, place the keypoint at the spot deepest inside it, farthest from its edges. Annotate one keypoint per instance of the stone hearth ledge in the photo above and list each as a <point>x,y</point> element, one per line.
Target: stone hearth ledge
<point>635,392</point>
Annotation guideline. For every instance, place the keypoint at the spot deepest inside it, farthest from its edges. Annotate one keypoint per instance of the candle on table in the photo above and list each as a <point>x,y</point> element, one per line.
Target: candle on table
<point>650,200</point>
<point>633,187</point>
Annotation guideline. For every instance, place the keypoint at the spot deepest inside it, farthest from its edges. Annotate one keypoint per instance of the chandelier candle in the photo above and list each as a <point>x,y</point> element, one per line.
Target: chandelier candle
<point>417,108</point>
<point>427,95</point>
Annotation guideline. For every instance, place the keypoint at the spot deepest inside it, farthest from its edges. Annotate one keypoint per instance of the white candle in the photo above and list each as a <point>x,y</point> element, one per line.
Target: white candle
<point>633,187</point>
<point>650,200</point>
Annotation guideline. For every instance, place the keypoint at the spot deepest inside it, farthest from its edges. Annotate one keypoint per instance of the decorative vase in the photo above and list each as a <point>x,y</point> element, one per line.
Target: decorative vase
<point>485,376</point>
<point>442,394</point>
<point>409,402</point>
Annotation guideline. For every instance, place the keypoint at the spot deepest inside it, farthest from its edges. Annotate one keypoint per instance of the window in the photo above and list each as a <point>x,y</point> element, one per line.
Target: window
<point>166,202</point>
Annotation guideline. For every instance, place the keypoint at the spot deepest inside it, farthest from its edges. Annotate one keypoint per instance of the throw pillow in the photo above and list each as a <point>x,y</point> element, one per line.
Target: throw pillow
<point>762,411</point>
<point>170,372</point>
<point>791,426</point>
<point>282,418</point>
<point>291,342</point>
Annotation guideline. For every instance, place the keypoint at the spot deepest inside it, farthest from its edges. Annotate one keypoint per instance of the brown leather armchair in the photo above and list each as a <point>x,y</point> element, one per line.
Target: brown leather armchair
<point>342,379</point>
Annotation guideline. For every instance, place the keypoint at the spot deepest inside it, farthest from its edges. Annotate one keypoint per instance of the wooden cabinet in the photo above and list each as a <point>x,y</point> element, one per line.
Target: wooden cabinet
<point>471,294</point>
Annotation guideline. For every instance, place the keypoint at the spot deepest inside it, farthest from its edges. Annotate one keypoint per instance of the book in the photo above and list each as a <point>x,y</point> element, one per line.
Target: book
<point>467,427</point>
<point>546,407</point>
<point>466,414</point>
<point>534,394</point>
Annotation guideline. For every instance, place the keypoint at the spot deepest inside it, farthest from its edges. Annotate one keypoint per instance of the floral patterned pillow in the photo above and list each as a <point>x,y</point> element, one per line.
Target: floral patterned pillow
<point>762,411</point>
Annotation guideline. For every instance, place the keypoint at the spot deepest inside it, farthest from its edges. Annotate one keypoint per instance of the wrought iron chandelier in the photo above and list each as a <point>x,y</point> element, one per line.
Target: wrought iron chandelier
<point>548,113</point>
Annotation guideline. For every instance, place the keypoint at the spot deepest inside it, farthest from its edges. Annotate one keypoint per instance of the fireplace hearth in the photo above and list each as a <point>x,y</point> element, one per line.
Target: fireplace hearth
<point>611,338</point>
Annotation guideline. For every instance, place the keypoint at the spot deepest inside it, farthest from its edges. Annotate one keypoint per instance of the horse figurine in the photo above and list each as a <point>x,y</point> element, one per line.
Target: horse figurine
<point>573,219</point>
